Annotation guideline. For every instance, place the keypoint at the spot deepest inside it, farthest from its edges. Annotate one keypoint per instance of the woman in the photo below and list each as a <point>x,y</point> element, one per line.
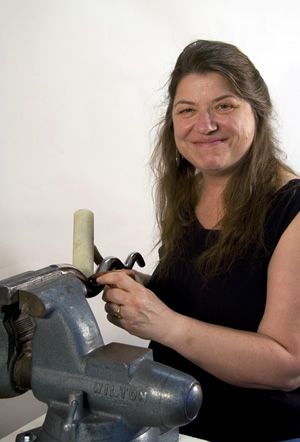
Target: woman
<point>224,302</point>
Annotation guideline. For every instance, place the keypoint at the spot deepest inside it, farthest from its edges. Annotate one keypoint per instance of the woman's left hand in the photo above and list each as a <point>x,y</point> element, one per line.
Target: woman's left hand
<point>133,307</point>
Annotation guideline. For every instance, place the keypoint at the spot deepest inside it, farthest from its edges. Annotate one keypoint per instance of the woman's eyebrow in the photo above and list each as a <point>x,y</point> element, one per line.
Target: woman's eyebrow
<point>222,97</point>
<point>193,103</point>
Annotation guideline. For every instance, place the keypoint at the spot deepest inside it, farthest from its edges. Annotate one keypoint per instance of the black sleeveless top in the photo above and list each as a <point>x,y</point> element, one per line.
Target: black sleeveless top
<point>236,300</point>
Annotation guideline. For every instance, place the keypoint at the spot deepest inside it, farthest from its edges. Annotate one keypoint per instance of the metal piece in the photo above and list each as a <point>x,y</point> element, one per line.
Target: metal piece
<point>28,436</point>
<point>117,313</point>
<point>112,263</point>
<point>71,415</point>
<point>97,256</point>
<point>112,393</point>
<point>133,258</point>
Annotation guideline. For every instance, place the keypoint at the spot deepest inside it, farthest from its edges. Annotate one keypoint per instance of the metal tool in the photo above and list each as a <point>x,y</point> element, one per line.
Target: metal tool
<point>50,343</point>
<point>112,263</point>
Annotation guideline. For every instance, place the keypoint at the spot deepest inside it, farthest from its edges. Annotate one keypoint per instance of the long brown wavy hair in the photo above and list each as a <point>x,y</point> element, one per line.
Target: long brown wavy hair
<point>253,183</point>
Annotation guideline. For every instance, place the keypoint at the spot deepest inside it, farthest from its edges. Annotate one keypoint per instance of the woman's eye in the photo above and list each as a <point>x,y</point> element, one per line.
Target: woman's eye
<point>186,111</point>
<point>224,107</point>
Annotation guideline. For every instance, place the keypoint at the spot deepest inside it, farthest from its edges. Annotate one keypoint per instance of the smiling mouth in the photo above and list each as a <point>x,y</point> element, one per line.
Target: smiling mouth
<point>210,142</point>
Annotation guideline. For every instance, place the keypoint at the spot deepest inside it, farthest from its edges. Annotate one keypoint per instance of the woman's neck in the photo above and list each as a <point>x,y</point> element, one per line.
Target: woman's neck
<point>209,209</point>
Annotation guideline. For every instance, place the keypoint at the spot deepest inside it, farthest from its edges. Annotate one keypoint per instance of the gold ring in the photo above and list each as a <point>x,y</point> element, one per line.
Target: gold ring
<point>117,312</point>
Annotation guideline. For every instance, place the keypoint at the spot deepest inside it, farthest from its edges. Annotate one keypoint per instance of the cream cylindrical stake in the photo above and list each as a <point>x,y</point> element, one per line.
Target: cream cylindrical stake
<point>83,241</point>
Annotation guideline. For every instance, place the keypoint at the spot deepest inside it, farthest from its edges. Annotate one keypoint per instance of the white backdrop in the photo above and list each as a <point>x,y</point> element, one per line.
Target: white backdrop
<point>81,87</point>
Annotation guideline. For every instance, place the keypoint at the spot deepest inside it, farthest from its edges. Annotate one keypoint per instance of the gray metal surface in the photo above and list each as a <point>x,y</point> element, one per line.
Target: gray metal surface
<point>94,392</point>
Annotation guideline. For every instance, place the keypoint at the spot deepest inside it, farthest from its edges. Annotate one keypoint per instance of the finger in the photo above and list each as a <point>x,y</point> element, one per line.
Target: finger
<point>117,278</point>
<point>129,272</point>
<point>111,308</point>
<point>105,294</point>
<point>116,296</point>
<point>114,320</point>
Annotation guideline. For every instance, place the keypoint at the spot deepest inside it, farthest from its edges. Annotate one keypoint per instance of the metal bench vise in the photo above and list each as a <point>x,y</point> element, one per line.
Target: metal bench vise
<point>50,343</point>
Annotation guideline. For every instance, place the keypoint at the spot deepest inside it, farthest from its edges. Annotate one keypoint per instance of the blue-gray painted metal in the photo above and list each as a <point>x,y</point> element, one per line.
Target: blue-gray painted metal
<point>94,392</point>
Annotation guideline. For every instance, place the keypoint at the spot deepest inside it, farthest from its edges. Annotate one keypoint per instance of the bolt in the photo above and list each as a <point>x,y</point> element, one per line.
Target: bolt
<point>29,437</point>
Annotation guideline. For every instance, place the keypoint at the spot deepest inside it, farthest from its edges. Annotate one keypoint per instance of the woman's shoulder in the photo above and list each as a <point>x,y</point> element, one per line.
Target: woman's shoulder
<point>289,190</point>
<point>284,207</point>
<point>287,196</point>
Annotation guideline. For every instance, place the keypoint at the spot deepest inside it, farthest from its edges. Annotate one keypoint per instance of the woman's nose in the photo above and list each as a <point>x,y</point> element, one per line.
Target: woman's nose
<point>205,123</point>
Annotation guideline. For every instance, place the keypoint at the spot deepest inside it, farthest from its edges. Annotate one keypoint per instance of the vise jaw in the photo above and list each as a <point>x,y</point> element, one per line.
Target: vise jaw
<point>50,343</point>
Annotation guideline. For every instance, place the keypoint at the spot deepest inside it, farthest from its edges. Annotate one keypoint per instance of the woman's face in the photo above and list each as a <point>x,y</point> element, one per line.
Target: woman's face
<point>213,126</point>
